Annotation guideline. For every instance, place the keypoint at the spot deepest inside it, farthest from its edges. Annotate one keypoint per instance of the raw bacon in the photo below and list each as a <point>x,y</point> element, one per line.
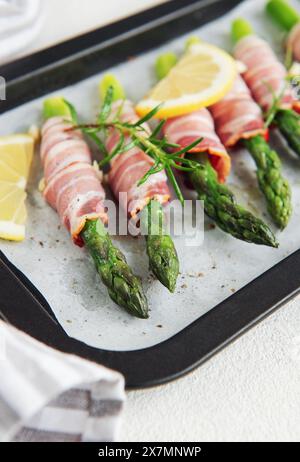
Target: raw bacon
<point>265,75</point>
<point>186,129</point>
<point>73,187</point>
<point>237,116</point>
<point>128,168</point>
<point>293,42</point>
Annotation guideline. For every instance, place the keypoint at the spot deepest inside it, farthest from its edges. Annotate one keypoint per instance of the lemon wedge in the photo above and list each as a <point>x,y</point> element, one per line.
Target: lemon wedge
<point>16,153</point>
<point>201,78</point>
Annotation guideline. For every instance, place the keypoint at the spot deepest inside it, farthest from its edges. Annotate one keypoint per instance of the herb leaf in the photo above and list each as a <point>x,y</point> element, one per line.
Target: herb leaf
<point>148,116</point>
<point>106,108</point>
<point>73,112</point>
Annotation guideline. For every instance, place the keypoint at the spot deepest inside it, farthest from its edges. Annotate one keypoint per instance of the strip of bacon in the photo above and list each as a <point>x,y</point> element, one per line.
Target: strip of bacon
<point>186,129</point>
<point>293,42</point>
<point>265,75</point>
<point>237,116</point>
<point>128,168</point>
<point>73,187</point>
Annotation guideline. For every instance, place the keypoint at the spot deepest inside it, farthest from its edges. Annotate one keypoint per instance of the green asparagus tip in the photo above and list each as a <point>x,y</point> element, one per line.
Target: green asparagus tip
<point>109,80</point>
<point>164,64</point>
<point>273,185</point>
<point>240,28</point>
<point>221,206</point>
<point>54,107</point>
<point>283,13</point>
<point>124,288</point>
<point>192,40</point>
<point>163,258</point>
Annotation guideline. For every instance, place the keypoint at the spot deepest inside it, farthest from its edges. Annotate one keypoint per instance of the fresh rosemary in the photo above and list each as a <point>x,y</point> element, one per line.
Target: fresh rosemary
<point>140,137</point>
<point>270,115</point>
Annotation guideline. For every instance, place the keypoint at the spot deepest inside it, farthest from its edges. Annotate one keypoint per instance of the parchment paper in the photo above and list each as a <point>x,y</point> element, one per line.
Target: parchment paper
<point>65,274</point>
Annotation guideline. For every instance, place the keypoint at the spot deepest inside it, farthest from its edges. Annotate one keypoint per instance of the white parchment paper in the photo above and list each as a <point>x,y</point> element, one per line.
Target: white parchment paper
<point>65,274</point>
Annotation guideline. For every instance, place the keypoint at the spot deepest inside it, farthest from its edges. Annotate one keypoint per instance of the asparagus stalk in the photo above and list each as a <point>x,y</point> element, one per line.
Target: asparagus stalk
<point>275,188</point>
<point>123,286</point>
<point>220,206</point>
<point>286,120</point>
<point>283,13</point>
<point>208,188</point>
<point>163,258</point>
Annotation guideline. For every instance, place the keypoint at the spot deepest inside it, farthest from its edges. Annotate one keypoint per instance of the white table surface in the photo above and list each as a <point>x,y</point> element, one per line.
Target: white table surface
<point>251,390</point>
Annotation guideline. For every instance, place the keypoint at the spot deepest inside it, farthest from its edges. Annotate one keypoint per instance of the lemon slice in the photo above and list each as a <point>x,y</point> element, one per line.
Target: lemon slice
<point>201,78</point>
<point>16,153</point>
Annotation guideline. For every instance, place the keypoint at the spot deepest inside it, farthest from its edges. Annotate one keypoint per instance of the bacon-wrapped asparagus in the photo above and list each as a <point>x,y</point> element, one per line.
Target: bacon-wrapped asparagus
<point>219,201</point>
<point>74,190</point>
<point>127,169</point>
<point>289,19</point>
<point>267,79</point>
<point>293,42</point>
<point>239,118</point>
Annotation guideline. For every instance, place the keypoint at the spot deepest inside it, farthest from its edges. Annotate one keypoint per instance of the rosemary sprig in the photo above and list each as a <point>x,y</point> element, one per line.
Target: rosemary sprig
<point>138,136</point>
<point>270,115</point>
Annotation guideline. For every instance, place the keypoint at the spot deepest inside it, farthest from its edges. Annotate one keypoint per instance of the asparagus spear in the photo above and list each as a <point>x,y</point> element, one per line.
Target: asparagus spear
<point>286,120</point>
<point>275,188</point>
<point>283,13</point>
<point>123,286</point>
<point>233,222</point>
<point>163,258</point>
<point>220,206</point>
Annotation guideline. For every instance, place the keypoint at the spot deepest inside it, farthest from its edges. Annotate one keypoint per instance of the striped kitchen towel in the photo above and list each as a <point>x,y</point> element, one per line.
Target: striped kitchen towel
<point>49,396</point>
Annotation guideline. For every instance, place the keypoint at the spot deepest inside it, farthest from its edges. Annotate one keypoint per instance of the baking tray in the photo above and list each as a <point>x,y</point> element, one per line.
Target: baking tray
<point>23,306</point>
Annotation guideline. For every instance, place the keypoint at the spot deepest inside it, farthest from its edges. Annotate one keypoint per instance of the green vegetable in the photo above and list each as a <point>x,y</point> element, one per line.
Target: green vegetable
<point>192,40</point>
<point>288,123</point>
<point>272,184</point>
<point>109,80</point>
<point>55,107</point>
<point>164,64</point>
<point>240,28</point>
<point>220,206</point>
<point>163,258</point>
<point>283,13</point>
<point>124,288</point>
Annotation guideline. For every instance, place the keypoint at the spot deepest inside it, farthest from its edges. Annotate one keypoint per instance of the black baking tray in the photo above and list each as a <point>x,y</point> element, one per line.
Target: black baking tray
<point>20,302</point>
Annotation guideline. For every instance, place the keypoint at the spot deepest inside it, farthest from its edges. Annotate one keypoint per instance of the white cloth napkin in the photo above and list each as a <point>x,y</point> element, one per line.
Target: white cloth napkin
<point>46,395</point>
<point>20,23</point>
